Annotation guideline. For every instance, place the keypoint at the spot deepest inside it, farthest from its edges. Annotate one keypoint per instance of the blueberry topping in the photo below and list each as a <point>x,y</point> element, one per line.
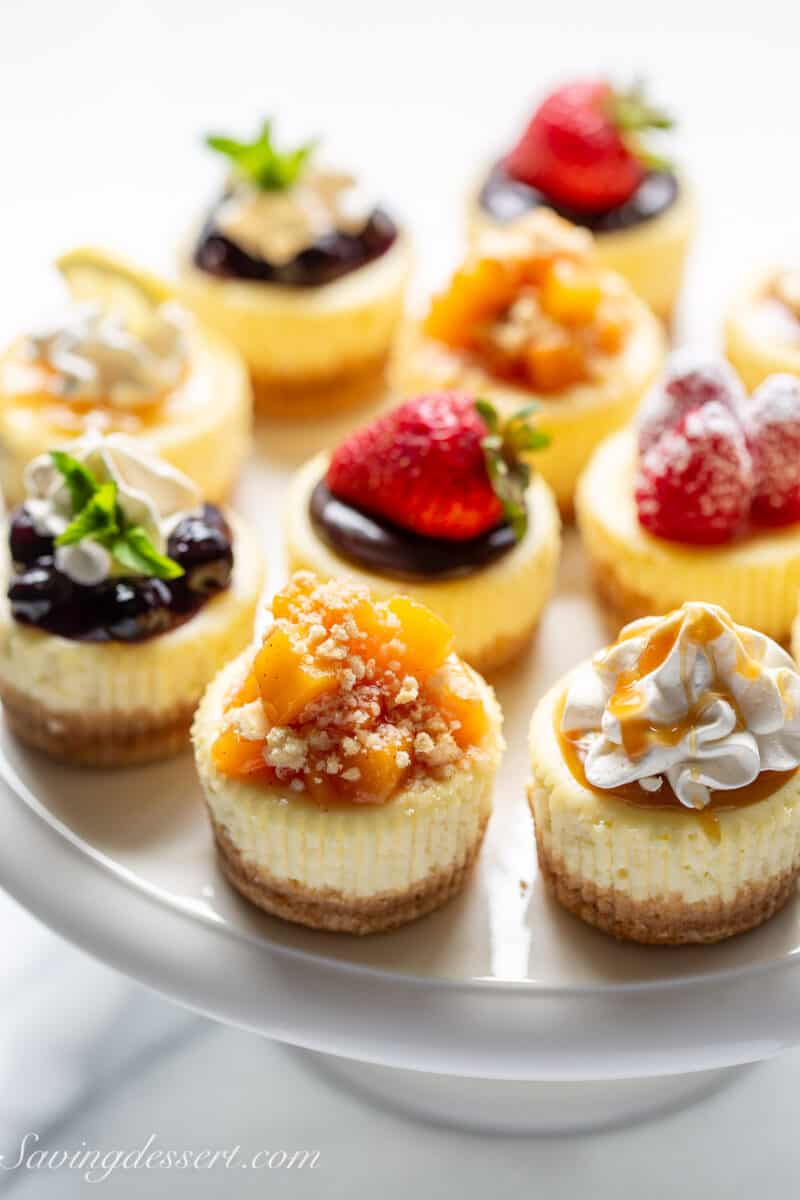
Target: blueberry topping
<point>121,608</point>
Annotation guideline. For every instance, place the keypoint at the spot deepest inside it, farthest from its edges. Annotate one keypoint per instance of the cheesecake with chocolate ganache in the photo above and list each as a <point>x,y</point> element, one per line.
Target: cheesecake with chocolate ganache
<point>301,271</point>
<point>123,595</point>
<point>665,789</point>
<point>583,155</point>
<point>436,497</point>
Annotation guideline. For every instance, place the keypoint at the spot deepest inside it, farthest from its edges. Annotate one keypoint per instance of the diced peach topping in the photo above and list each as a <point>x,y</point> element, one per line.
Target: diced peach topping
<point>540,320</point>
<point>286,681</point>
<point>356,697</point>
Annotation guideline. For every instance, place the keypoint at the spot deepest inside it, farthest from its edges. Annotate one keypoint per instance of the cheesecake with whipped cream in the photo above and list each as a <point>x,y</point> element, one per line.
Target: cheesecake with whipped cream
<point>298,267</point>
<point>123,594</point>
<point>665,789</point>
<point>762,326</point>
<point>152,374</point>
<point>348,760</point>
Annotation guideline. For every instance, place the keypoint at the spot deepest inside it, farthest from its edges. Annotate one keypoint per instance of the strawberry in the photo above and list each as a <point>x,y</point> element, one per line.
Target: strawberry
<point>773,435</point>
<point>582,149</point>
<point>441,465</point>
<point>690,381</point>
<point>695,483</point>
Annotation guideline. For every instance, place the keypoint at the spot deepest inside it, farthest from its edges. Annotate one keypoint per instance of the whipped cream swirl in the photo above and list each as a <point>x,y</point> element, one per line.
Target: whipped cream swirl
<point>691,698</point>
<point>93,355</point>
<point>150,493</point>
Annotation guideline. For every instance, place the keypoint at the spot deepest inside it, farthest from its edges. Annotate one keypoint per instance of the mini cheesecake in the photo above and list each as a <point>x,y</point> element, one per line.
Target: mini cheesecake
<point>304,277</point>
<point>123,596</point>
<point>573,159</point>
<point>124,358</point>
<point>704,500</point>
<point>347,761</point>
<point>762,328</point>
<point>531,316</point>
<point>665,791</point>
<point>410,501</point>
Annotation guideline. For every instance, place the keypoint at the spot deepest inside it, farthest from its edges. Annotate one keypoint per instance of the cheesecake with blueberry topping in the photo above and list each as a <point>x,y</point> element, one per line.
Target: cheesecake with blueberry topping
<point>701,499</point>
<point>348,760</point>
<point>302,272</point>
<point>584,155</point>
<point>123,595</point>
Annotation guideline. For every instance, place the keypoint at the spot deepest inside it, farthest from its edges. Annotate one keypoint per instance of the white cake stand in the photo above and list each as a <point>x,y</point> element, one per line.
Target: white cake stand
<point>499,1012</point>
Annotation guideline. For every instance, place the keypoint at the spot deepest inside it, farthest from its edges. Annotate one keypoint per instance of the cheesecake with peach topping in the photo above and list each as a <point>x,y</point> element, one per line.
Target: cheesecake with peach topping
<point>123,357</point>
<point>700,499</point>
<point>665,789</point>
<point>762,327</point>
<point>348,760</point>
<point>531,315</point>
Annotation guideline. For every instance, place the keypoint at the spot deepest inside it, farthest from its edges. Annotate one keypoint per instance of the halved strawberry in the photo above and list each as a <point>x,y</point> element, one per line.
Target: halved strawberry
<point>442,465</point>
<point>773,435</point>
<point>582,147</point>
<point>695,483</point>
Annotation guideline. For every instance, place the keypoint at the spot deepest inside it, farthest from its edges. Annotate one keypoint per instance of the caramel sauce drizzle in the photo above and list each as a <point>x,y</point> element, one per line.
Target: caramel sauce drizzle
<point>639,734</point>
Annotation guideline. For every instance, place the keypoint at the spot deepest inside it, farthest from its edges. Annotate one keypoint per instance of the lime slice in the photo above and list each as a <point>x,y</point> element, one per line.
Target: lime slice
<point>113,283</point>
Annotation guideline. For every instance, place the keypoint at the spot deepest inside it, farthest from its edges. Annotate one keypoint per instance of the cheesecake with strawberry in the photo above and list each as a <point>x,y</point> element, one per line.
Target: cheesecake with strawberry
<point>298,267</point>
<point>436,496</point>
<point>701,499</point>
<point>532,316</point>
<point>348,759</point>
<point>584,154</point>
<point>762,327</point>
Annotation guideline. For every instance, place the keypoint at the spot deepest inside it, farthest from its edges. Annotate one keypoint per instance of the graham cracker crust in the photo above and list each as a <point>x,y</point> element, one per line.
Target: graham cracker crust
<point>331,910</point>
<point>625,603</point>
<point>98,739</point>
<point>360,385</point>
<point>665,920</point>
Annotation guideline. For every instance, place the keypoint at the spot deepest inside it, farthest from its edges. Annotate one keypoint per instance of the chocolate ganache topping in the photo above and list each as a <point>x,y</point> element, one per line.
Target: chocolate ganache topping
<point>505,198</point>
<point>377,544</point>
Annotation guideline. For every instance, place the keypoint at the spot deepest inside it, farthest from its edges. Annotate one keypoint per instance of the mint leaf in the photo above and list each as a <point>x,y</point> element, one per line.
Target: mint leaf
<point>80,481</point>
<point>98,519</point>
<point>134,550</point>
<point>260,161</point>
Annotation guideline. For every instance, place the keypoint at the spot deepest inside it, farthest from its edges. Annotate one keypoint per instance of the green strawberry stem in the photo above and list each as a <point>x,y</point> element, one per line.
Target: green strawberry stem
<point>633,114</point>
<point>509,474</point>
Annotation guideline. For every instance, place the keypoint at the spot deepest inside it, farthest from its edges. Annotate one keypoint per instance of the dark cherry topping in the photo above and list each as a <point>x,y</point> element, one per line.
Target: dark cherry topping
<point>330,257</point>
<point>506,198</point>
<point>374,543</point>
<point>122,608</point>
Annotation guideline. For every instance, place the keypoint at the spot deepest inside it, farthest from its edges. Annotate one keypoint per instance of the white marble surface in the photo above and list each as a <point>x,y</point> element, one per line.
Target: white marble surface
<point>102,105</point>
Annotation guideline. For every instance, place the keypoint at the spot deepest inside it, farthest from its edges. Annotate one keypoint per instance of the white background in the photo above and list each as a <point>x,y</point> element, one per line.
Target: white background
<point>102,107</point>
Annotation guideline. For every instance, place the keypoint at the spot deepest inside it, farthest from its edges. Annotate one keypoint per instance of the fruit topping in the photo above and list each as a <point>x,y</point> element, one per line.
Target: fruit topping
<point>773,435</point>
<point>689,381</point>
<point>532,306</point>
<point>285,220</point>
<point>442,465</point>
<point>348,698</point>
<point>694,484</point>
<point>119,608</point>
<point>583,146</point>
